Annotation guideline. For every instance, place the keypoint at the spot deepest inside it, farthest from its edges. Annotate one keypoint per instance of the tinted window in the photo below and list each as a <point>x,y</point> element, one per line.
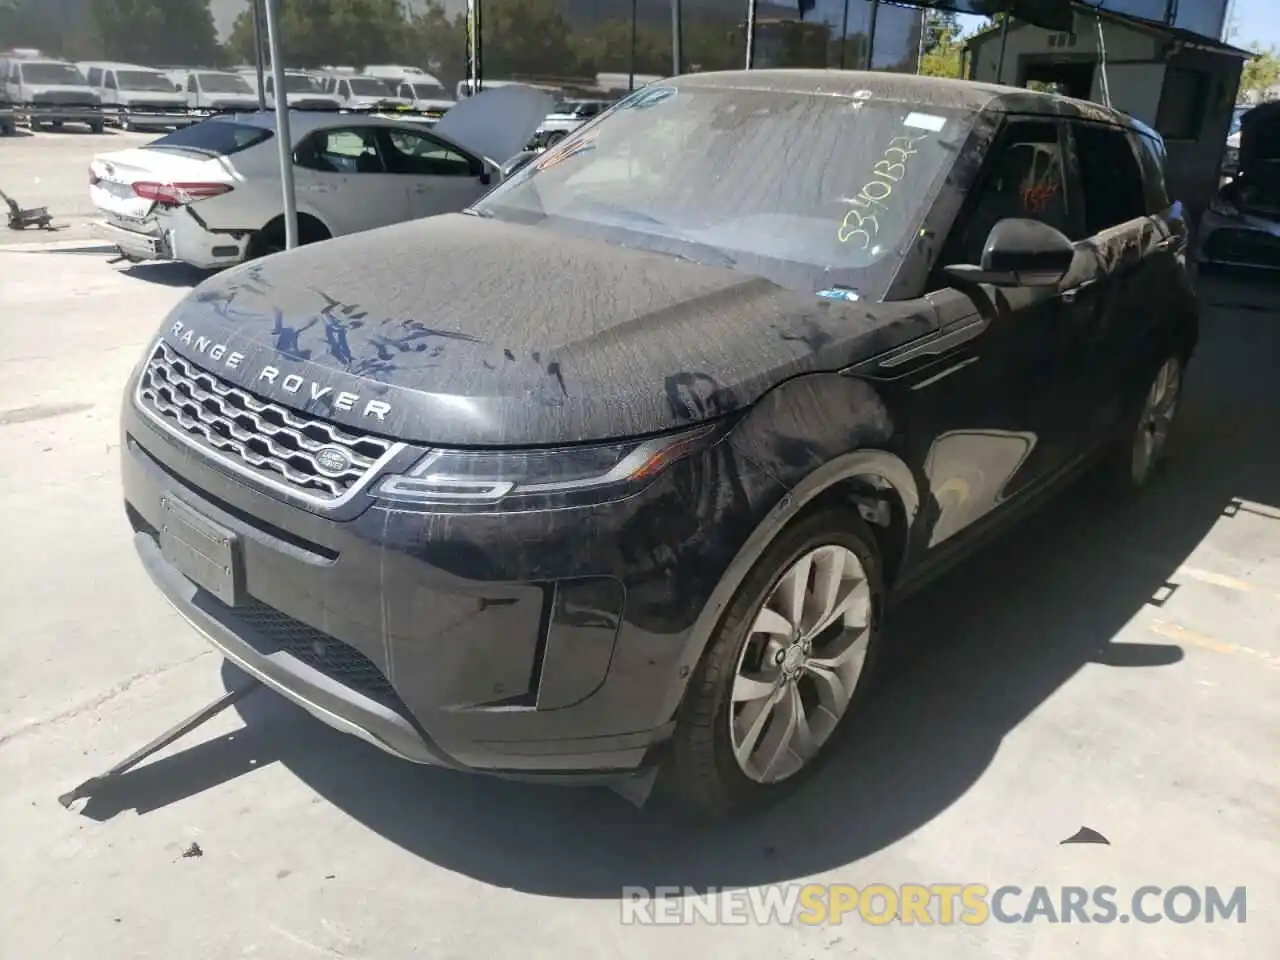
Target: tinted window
<point>807,190</point>
<point>111,81</point>
<point>223,83</point>
<point>417,153</point>
<point>1183,102</point>
<point>1025,177</point>
<point>95,76</point>
<point>1110,176</point>
<point>214,137</point>
<point>367,87</point>
<point>144,80</point>
<point>348,150</point>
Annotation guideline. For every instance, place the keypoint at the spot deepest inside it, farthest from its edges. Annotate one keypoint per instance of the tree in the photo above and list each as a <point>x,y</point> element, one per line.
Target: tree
<point>156,31</point>
<point>943,48</point>
<point>316,33</point>
<point>1260,74</point>
<point>438,43</point>
<point>527,38</point>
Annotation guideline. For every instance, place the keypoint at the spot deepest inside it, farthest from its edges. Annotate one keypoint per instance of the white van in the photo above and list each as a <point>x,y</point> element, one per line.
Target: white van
<point>54,92</point>
<point>214,91</point>
<point>136,98</point>
<point>301,90</point>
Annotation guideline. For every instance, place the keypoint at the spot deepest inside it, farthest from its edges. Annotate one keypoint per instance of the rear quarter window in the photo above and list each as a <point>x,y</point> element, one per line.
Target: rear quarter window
<point>1151,152</point>
<point>214,137</point>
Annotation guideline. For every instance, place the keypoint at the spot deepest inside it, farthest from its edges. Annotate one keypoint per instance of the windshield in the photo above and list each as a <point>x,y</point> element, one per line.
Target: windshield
<point>223,83</point>
<point>368,87</point>
<point>143,80</point>
<point>807,190</point>
<point>62,73</point>
<point>1236,114</point>
<point>429,91</point>
<point>297,83</point>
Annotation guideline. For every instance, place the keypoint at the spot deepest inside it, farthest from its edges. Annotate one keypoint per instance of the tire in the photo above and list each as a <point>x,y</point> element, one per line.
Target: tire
<point>271,239</point>
<point>1142,444</point>
<point>96,127</point>
<point>554,138</point>
<point>702,777</point>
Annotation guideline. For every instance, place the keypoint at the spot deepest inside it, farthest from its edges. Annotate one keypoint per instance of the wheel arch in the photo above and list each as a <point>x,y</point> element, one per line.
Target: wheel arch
<point>306,217</point>
<point>877,483</point>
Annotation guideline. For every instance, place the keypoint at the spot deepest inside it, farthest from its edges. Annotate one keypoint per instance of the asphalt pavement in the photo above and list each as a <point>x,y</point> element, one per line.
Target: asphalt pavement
<point>1115,667</point>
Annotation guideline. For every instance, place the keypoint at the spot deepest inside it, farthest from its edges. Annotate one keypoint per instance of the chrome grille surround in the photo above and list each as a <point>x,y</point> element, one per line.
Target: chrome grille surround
<point>264,440</point>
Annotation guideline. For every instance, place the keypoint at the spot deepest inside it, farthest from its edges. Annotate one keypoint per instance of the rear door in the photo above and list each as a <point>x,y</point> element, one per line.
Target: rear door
<point>1138,278</point>
<point>343,176</point>
<point>988,404</point>
<point>439,177</point>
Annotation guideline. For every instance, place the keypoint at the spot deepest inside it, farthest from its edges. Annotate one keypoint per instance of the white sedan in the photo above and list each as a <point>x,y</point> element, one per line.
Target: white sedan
<point>210,194</point>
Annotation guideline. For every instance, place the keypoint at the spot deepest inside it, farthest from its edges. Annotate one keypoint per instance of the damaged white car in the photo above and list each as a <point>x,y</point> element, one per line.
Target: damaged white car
<point>210,194</point>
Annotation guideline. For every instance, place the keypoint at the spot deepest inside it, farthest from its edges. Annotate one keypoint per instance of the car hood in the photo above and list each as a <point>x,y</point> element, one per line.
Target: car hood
<point>70,92</point>
<point>498,122</point>
<point>476,332</point>
<point>154,96</point>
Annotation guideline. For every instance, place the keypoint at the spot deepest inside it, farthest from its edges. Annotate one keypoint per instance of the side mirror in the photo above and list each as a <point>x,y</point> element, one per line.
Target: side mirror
<point>517,162</point>
<point>1020,253</point>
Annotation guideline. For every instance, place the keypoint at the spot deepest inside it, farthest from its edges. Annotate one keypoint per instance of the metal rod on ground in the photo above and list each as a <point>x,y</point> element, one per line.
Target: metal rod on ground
<point>677,58</point>
<point>255,7</point>
<point>871,33</point>
<point>159,743</point>
<point>284,139</point>
<point>751,33</point>
<point>1004,39</point>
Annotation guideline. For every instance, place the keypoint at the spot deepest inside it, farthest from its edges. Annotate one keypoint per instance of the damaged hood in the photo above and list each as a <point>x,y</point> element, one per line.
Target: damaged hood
<point>456,330</point>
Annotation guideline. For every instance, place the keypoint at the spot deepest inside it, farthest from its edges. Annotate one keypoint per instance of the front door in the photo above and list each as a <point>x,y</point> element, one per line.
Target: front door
<point>341,174</point>
<point>990,407</point>
<point>439,177</point>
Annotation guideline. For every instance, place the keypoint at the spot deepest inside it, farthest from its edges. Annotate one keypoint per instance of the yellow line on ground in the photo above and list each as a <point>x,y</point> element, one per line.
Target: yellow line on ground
<point>1180,634</point>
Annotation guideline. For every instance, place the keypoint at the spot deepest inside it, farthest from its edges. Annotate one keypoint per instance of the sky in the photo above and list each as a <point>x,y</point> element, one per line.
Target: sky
<point>1255,23</point>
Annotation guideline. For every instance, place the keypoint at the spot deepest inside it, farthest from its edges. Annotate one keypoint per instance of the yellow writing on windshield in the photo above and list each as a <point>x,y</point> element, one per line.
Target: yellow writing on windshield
<point>862,220</point>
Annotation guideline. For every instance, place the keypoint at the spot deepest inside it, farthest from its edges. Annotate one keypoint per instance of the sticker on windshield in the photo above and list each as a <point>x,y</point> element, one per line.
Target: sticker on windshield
<point>925,121</point>
<point>839,293</point>
<point>646,98</point>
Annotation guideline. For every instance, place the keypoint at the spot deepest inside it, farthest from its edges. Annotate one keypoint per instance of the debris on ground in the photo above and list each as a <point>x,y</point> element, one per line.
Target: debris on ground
<point>194,850</point>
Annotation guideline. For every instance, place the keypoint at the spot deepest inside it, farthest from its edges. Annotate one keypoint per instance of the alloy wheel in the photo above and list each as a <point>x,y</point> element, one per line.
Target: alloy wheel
<point>800,665</point>
<point>1156,420</point>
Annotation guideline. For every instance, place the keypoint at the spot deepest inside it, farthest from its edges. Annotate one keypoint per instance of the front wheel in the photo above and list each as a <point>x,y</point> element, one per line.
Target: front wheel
<point>791,656</point>
<point>1143,444</point>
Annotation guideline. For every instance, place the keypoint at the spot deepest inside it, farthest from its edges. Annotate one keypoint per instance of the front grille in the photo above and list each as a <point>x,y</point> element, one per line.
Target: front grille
<point>1244,247</point>
<point>66,98</point>
<point>160,106</point>
<point>265,438</point>
<point>315,648</point>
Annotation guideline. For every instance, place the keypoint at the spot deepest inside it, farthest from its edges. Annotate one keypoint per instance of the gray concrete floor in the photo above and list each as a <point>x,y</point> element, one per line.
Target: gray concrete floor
<point>1117,669</point>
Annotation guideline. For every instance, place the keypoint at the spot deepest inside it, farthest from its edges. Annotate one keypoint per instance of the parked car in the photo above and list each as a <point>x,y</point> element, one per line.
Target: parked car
<point>616,478</point>
<point>136,98</point>
<point>210,195</point>
<point>8,125</point>
<point>1241,228</point>
<point>214,91</point>
<point>302,91</point>
<point>51,92</point>
<point>360,92</point>
<point>428,97</point>
<point>565,117</point>
<point>1231,156</point>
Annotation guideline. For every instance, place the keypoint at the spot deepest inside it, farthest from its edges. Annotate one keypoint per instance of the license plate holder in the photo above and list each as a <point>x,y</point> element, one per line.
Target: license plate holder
<point>204,552</point>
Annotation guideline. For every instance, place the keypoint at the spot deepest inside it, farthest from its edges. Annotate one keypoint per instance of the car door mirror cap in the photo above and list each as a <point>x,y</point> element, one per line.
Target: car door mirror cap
<point>1021,252</point>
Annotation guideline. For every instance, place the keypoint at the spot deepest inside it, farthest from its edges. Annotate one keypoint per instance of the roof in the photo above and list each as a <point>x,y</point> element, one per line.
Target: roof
<point>944,92</point>
<point>1151,27</point>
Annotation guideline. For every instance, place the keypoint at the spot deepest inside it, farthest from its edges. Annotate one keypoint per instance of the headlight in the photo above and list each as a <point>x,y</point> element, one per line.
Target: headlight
<point>507,480</point>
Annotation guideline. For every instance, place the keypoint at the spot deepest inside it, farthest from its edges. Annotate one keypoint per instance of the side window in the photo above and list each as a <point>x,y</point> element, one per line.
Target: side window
<point>192,86</point>
<point>344,89</point>
<point>1110,177</point>
<point>1152,154</point>
<point>345,150</point>
<point>415,153</point>
<point>1025,177</point>
<point>95,76</point>
<point>111,80</point>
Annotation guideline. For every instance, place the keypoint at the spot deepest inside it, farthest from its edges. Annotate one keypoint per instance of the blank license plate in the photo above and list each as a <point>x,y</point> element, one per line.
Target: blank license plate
<point>201,550</point>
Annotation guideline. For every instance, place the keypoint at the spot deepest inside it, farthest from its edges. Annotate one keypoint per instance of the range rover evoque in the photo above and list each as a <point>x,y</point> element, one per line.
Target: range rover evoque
<point>612,478</point>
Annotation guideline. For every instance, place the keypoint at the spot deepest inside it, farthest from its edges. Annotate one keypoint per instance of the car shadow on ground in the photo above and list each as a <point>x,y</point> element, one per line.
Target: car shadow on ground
<point>977,652</point>
<point>168,273</point>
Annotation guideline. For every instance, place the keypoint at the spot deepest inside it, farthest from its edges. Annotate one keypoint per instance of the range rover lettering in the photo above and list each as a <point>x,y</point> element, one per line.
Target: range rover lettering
<point>615,477</point>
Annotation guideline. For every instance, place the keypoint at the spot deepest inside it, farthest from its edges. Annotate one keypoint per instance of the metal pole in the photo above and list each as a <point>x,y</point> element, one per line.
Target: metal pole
<point>631,82</point>
<point>924,19</point>
<point>871,32</point>
<point>258,50</point>
<point>751,32</point>
<point>284,140</point>
<point>844,32</point>
<point>676,58</point>
<point>473,46</point>
<point>1004,39</point>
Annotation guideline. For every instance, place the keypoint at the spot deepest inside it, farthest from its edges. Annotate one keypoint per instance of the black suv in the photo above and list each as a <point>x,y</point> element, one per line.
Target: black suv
<point>611,478</point>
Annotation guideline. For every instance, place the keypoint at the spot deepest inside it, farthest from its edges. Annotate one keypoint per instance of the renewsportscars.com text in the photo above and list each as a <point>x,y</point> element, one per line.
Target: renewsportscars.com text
<point>921,904</point>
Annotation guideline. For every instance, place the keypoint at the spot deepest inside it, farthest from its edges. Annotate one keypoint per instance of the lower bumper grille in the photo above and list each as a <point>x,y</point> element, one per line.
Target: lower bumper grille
<point>318,650</point>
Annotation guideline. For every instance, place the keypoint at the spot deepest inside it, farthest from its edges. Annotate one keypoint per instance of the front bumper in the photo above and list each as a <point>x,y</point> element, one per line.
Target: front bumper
<point>60,113</point>
<point>525,645</point>
<point>157,119</point>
